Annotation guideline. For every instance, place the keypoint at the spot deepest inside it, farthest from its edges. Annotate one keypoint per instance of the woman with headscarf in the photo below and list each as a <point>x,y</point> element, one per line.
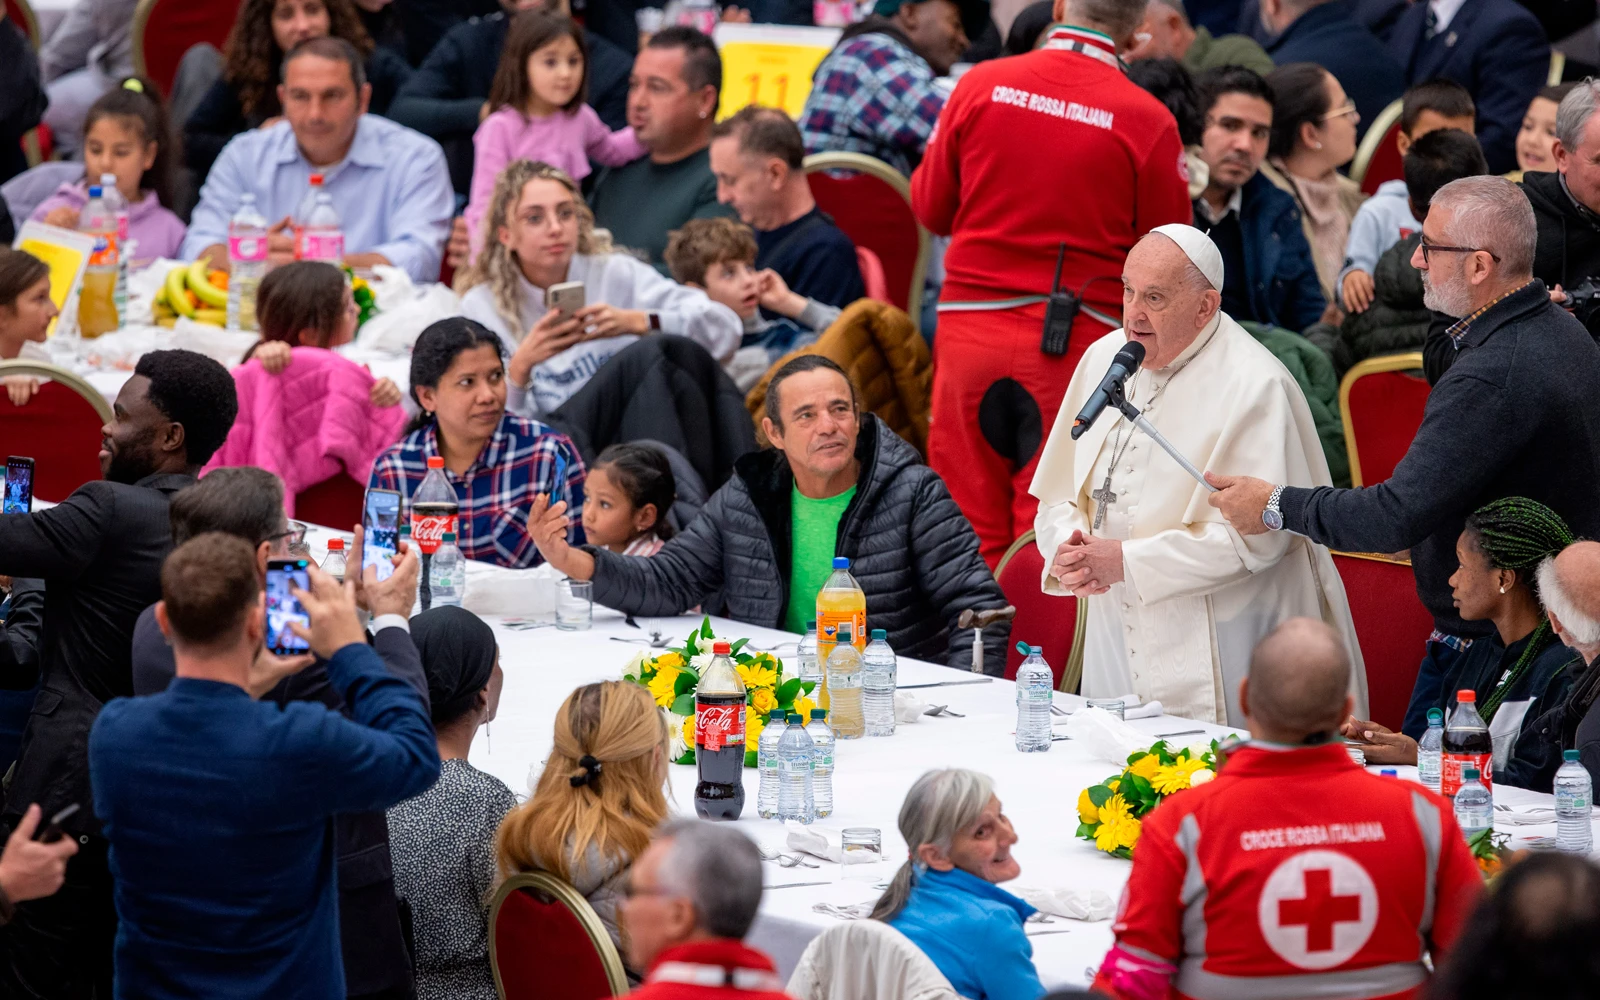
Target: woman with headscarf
<point>442,841</point>
<point>1521,667</point>
<point>599,798</point>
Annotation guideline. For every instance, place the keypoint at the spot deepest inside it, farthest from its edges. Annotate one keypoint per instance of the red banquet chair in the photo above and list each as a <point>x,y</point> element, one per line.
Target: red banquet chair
<point>20,13</point>
<point>1381,401</point>
<point>1378,157</point>
<point>59,428</point>
<point>871,202</point>
<point>1392,626</point>
<point>336,503</point>
<point>547,943</point>
<point>872,276</point>
<point>1055,624</point>
<point>163,30</point>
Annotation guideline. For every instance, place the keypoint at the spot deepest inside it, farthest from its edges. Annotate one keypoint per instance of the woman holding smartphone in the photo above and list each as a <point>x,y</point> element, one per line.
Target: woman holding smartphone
<point>497,462</point>
<point>539,241</point>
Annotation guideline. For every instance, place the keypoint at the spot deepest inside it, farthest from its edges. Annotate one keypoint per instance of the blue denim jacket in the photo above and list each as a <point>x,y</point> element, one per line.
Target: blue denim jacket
<point>972,930</point>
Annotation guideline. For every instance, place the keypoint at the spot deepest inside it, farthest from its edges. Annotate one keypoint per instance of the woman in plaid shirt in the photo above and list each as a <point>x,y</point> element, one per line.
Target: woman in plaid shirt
<point>496,461</point>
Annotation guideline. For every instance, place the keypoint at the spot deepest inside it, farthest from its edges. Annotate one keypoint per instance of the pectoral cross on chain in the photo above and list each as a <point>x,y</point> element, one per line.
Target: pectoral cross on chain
<point>1103,498</point>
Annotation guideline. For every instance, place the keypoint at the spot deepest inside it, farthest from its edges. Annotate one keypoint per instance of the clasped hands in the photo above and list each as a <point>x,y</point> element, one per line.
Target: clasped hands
<point>1087,564</point>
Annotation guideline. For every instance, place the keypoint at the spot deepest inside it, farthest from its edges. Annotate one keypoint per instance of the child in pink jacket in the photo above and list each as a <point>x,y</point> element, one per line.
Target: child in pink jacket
<point>537,112</point>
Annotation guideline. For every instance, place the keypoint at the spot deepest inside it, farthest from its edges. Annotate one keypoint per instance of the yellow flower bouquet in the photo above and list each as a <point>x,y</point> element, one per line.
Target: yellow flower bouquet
<point>672,675</point>
<point>1111,814</point>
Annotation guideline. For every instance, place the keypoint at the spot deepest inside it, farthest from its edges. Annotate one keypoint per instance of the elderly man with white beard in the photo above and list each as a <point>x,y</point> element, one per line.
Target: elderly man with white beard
<point>1177,599</point>
<point>1516,414</point>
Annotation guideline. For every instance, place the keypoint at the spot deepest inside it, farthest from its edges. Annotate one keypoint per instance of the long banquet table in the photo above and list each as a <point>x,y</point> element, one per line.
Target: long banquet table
<point>1039,791</point>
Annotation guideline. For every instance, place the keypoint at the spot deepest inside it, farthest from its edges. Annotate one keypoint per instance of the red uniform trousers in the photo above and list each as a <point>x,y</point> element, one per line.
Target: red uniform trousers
<point>995,397</point>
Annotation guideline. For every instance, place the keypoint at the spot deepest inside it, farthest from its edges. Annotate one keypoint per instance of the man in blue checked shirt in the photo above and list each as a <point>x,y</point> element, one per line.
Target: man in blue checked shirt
<point>877,92</point>
<point>390,185</point>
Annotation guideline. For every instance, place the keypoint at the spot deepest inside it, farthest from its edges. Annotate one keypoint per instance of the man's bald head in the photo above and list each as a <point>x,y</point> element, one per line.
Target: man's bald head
<point>1299,682</point>
<point>1569,588</point>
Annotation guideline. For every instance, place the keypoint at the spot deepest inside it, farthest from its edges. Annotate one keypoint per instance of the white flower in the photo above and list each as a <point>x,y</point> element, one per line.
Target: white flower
<point>700,663</point>
<point>1201,777</point>
<point>675,732</point>
<point>631,671</point>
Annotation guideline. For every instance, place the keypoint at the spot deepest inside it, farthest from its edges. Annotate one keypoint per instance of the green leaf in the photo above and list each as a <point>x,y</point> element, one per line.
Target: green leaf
<point>705,628</point>
<point>685,684</point>
<point>1142,789</point>
<point>1099,794</point>
<point>687,758</point>
<point>1123,853</point>
<point>788,690</point>
<point>1085,831</point>
<point>739,644</point>
<point>683,704</point>
<point>809,686</point>
<point>749,758</point>
<point>1138,755</point>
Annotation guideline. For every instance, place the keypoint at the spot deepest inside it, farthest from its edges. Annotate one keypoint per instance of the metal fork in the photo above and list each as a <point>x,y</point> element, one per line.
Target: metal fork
<point>785,860</point>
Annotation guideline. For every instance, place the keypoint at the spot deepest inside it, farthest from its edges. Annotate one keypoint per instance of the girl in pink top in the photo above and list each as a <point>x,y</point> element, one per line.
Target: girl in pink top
<point>126,135</point>
<point>537,112</point>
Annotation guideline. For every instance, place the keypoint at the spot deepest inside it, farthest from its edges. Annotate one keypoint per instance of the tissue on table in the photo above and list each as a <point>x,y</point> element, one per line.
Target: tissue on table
<point>1106,737</point>
<point>1074,904</point>
<point>225,347</point>
<point>511,593</point>
<point>908,708</point>
<point>818,841</point>
<point>401,319</point>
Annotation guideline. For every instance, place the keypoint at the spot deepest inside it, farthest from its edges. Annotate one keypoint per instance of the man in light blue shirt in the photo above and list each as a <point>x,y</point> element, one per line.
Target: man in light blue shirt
<point>390,185</point>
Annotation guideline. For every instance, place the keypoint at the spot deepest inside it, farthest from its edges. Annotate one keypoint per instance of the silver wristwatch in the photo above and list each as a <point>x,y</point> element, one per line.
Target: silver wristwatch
<point>1272,517</point>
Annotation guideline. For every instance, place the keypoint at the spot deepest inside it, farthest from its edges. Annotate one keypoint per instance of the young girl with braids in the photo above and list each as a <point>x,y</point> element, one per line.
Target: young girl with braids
<point>1522,667</point>
<point>599,797</point>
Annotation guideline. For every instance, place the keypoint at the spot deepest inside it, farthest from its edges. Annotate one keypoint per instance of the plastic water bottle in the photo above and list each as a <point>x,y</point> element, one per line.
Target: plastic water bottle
<point>247,257</point>
<point>1035,686</point>
<point>1574,799</point>
<point>794,773</point>
<point>844,687</point>
<point>444,575</point>
<point>321,238</point>
<point>821,762</point>
<point>877,685</point>
<point>1430,750</point>
<point>1474,804</point>
<point>767,764</point>
<point>118,207</point>
<point>334,564</point>
<point>810,664</point>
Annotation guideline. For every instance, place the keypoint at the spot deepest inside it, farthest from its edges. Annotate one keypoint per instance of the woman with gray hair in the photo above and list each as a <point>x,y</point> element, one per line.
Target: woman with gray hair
<point>944,898</point>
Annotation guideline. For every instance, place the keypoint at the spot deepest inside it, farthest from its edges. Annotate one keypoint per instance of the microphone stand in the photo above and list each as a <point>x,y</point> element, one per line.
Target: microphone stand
<point>1135,417</point>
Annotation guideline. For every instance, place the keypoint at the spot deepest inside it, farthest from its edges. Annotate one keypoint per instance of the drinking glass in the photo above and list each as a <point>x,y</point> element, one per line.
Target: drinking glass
<point>1112,705</point>
<point>574,605</point>
<point>861,850</point>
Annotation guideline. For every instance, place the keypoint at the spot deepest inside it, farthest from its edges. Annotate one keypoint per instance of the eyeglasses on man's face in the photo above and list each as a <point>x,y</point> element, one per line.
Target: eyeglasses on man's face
<point>1433,248</point>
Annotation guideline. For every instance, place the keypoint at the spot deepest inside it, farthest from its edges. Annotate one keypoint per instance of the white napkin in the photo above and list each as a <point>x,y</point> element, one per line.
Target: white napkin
<point>818,841</point>
<point>1074,904</point>
<point>514,593</point>
<point>844,911</point>
<point>403,315</point>
<point>1106,737</point>
<point>907,708</point>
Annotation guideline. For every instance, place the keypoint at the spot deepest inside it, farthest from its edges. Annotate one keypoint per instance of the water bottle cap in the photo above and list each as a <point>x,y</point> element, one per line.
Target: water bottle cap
<point>794,719</point>
<point>819,713</point>
<point>811,626</point>
<point>1467,696</point>
<point>879,633</point>
<point>776,715</point>
<point>1569,755</point>
<point>1389,772</point>
<point>316,180</point>
<point>841,562</point>
<point>436,462</point>
<point>1469,774</point>
<point>718,648</point>
<point>335,545</point>
<point>846,633</point>
<point>94,191</point>
<point>1035,651</point>
<point>448,536</point>
<point>1435,717</point>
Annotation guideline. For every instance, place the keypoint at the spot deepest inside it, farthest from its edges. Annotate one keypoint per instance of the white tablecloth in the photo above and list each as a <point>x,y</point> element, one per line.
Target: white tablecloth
<point>1039,791</point>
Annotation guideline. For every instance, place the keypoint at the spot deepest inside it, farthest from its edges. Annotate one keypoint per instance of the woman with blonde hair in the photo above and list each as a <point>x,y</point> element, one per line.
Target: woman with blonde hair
<point>945,897</point>
<point>599,798</point>
<point>538,232</point>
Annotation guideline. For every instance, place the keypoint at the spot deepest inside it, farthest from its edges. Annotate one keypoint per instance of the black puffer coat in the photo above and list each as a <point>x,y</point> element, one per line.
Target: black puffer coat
<point>910,547</point>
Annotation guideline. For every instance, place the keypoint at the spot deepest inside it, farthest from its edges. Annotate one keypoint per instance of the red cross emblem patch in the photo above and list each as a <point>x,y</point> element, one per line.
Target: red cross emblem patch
<point>1318,909</point>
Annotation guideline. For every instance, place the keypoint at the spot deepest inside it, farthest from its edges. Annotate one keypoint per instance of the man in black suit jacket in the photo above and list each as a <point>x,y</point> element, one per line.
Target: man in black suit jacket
<point>248,503</point>
<point>1494,48</point>
<point>99,553</point>
<point>1325,32</point>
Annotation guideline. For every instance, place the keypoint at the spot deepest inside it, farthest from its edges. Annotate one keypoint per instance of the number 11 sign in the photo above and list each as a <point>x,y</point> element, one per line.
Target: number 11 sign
<point>770,64</point>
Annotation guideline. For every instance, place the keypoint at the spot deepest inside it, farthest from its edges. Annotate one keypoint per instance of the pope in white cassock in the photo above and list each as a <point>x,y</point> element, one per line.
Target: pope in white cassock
<point>1177,598</point>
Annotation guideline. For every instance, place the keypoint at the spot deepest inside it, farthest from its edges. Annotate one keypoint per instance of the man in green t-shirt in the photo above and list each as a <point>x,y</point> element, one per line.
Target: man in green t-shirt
<point>836,482</point>
<point>672,101</point>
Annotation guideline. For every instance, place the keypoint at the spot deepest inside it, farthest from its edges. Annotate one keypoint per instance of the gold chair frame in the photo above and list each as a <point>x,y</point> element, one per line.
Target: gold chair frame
<point>572,899</point>
<point>1409,361</point>
<point>862,163</point>
<point>72,380</point>
<point>1376,132</point>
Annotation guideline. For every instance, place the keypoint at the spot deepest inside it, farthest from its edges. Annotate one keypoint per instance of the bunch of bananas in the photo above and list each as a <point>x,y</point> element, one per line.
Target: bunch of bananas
<point>195,292</point>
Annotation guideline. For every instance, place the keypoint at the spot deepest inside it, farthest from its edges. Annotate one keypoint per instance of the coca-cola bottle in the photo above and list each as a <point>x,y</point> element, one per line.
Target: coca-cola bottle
<point>433,512</point>
<point>1466,744</point>
<point>719,738</point>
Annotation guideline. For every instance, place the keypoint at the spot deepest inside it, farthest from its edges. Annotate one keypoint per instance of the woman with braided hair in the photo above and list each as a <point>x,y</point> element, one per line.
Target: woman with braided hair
<point>1520,666</point>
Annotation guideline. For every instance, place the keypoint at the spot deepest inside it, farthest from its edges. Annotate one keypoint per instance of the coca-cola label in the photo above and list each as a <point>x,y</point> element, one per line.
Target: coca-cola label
<point>427,530</point>
<point>716,726</point>
<point>247,248</point>
<point>1450,765</point>
<point>321,246</point>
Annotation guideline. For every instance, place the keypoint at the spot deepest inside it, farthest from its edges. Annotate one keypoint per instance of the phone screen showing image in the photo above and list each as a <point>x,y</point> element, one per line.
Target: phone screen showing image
<point>381,527</point>
<point>19,486</point>
<point>283,607</point>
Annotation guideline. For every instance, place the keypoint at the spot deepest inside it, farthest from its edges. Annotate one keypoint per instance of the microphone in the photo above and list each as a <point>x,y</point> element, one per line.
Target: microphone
<point>1124,364</point>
